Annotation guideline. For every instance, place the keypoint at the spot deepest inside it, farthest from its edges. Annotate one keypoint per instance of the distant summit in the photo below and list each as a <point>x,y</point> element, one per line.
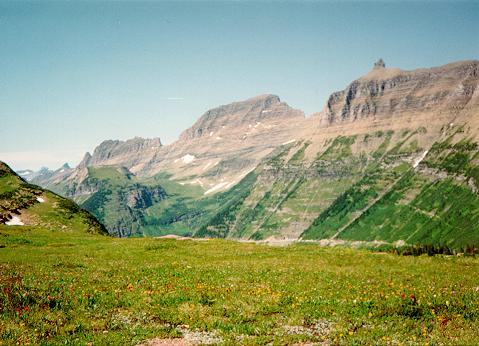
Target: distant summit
<point>379,64</point>
<point>232,116</point>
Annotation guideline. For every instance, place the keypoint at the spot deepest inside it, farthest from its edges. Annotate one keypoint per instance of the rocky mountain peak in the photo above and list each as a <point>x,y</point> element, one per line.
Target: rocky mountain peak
<point>252,110</point>
<point>391,93</point>
<point>85,162</point>
<point>109,150</point>
<point>379,64</point>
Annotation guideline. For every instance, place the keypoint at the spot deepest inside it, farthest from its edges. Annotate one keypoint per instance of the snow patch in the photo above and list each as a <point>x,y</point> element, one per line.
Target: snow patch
<point>218,138</point>
<point>266,111</point>
<point>62,170</point>
<point>419,159</point>
<point>188,158</point>
<point>288,142</point>
<point>216,187</point>
<point>15,221</point>
<point>41,200</point>
<point>211,133</point>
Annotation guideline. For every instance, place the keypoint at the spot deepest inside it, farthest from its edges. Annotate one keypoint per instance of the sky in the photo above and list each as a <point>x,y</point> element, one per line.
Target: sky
<point>73,74</point>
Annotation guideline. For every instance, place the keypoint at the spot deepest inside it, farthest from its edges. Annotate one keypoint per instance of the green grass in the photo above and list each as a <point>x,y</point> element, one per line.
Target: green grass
<point>17,197</point>
<point>70,288</point>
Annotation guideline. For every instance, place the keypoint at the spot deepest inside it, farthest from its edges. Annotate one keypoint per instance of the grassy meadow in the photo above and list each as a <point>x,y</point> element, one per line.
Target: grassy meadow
<point>61,288</point>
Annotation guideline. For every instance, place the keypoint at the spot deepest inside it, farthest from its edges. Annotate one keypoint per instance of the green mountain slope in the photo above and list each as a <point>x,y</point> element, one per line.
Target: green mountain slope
<point>435,202</point>
<point>366,187</point>
<point>130,206</point>
<point>384,194</point>
<point>30,207</point>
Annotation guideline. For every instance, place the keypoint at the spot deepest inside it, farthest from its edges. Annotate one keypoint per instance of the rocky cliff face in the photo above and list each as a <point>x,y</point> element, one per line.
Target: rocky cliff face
<point>425,94</point>
<point>133,153</point>
<point>142,197</point>
<point>239,114</point>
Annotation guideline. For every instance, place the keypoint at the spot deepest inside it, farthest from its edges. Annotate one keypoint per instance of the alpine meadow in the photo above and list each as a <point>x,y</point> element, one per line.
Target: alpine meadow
<point>216,217</point>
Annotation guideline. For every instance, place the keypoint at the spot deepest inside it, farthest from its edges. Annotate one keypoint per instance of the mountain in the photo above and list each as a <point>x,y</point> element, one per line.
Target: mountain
<point>227,142</point>
<point>30,175</point>
<point>23,204</point>
<point>219,150</point>
<point>391,158</point>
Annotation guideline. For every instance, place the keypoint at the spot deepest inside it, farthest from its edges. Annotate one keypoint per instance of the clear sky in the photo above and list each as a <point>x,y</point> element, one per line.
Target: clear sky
<point>73,74</point>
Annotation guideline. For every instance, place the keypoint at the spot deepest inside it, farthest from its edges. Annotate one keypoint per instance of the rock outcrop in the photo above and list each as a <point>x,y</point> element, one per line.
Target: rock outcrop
<point>392,95</point>
<point>142,197</point>
<point>238,114</point>
<point>133,153</point>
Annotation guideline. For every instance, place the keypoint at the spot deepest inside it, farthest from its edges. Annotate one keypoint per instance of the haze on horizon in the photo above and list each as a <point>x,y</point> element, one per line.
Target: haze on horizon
<point>75,74</point>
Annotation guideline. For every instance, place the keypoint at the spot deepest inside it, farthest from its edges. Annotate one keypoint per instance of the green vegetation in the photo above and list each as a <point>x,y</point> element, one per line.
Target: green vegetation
<point>394,202</point>
<point>63,288</point>
<point>442,213</point>
<point>229,202</point>
<point>339,149</point>
<point>18,198</point>
<point>359,188</point>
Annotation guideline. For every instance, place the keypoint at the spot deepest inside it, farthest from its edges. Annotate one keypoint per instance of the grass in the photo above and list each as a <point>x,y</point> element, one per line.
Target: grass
<point>73,288</point>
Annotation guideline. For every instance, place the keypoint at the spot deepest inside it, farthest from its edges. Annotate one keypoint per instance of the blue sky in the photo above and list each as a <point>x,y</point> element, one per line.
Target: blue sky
<point>73,74</point>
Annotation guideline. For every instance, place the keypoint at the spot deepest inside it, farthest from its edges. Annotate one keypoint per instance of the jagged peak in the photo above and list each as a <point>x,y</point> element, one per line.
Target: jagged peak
<point>379,64</point>
<point>263,97</point>
<point>257,108</point>
<point>447,78</point>
<point>112,144</point>
<point>136,139</point>
<point>44,170</point>
<point>85,162</point>
<point>263,100</point>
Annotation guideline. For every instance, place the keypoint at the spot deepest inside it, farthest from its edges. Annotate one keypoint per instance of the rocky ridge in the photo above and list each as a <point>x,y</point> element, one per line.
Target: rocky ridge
<point>289,169</point>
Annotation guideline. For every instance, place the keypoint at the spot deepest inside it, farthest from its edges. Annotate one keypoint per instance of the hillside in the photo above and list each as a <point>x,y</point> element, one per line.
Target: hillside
<point>31,207</point>
<point>405,174</point>
<point>258,169</point>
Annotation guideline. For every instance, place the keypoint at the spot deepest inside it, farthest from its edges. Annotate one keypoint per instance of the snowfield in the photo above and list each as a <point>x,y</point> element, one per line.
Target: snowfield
<point>188,158</point>
<point>15,221</point>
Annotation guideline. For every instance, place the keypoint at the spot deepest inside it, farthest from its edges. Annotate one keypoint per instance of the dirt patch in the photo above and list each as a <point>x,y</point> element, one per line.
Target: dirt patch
<point>165,342</point>
<point>190,338</point>
<point>179,237</point>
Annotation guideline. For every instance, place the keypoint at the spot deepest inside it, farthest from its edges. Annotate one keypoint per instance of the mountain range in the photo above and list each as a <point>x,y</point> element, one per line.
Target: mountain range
<point>392,158</point>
